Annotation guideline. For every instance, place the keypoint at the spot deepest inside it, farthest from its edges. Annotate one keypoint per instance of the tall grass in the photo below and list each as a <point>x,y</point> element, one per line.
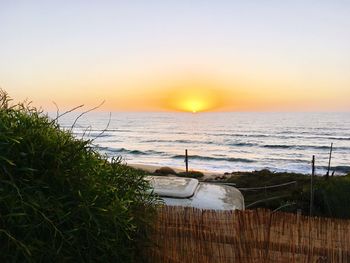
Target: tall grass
<point>331,197</point>
<point>60,200</point>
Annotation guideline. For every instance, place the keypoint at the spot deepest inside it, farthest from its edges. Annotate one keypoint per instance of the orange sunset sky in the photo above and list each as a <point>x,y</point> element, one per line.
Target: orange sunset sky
<point>177,55</point>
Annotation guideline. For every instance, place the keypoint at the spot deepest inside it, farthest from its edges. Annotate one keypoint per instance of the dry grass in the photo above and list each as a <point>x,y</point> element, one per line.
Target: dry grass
<point>193,235</point>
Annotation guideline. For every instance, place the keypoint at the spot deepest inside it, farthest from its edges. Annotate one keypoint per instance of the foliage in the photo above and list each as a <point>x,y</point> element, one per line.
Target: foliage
<point>165,171</point>
<point>191,174</point>
<point>275,198</point>
<point>331,196</point>
<point>60,200</point>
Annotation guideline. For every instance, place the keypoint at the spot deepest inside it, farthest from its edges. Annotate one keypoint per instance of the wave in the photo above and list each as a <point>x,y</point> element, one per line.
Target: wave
<point>135,152</point>
<point>342,169</point>
<point>155,141</point>
<point>98,135</point>
<point>279,146</point>
<point>317,147</point>
<point>177,141</point>
<point>337,138</point>
<point>243,144</point>
<point>120,130</point>
<point>286,160</point>
<point>208,158</point>
<point>185,141</point>
<point>93,134</point>
<point>311,137</point>
<point>239,135</point>
<point>295,136</point>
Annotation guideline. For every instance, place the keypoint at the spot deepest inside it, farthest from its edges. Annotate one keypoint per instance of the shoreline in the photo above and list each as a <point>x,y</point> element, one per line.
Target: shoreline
<point>208,175</point>
<point>211,175</point>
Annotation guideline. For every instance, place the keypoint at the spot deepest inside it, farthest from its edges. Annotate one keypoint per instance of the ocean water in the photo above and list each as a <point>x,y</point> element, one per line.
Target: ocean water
<point>221,142</point>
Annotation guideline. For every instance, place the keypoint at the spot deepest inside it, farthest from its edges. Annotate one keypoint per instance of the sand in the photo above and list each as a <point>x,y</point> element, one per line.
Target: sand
<point>208,175</point>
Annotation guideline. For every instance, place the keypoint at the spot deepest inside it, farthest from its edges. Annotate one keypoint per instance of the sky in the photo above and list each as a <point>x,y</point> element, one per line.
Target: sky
<point>184,55</point>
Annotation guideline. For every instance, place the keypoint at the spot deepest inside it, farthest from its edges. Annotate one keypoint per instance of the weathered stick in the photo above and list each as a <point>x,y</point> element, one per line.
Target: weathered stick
<point>312,186</point>
<point>329,161</point>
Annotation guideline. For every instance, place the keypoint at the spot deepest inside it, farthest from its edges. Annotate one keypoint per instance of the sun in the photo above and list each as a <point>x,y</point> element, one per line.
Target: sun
<point>194,97</point>
<point>191,102</point>
<point>193,105</point>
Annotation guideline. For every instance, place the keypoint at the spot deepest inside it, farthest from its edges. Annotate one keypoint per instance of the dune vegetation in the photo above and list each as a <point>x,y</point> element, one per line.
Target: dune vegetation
<point>331,196</point>
<point>62,201</point>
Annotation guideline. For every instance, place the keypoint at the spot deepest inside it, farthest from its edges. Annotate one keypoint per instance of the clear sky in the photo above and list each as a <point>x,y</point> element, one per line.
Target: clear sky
<point>165,55</point>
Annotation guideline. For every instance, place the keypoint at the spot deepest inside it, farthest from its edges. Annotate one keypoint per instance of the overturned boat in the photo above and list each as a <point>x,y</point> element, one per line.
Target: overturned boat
<point>179,191</point>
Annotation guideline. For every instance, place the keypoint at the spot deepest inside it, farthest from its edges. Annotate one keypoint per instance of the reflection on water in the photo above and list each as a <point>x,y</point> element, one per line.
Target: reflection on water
<point>223,142</point>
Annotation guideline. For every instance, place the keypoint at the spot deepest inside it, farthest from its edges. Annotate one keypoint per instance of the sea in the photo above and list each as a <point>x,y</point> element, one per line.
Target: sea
<point>220,142</point>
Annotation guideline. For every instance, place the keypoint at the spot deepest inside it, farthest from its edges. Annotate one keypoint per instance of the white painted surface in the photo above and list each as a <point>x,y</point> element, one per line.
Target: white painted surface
<point>189,192</point>
<point>173,186</point>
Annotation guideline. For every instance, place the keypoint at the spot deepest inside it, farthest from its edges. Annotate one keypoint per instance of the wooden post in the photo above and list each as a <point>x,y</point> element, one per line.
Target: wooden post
<point>186,160</point>
<point>329,161</point>
<point>312,185</point>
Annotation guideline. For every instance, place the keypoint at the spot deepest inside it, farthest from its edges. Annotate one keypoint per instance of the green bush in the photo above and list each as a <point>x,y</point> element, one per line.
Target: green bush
<point>60,200</point>
<point>191,174</point>
<point>332,197</point>
<point>164,171</point>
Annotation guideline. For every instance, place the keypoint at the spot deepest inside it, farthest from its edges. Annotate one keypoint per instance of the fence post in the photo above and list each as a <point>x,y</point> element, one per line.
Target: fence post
<point>186,160</point>
<point>329,161</point>
<point>312,185</point>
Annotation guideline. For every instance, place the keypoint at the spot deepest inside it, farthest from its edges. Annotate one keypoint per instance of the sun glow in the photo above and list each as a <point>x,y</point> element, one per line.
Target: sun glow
<point>193,105</point>
<point>193,96</point>
<point>193,101</point>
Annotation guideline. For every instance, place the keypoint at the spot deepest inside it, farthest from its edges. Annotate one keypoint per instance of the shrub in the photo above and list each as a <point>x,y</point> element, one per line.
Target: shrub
<point>332,197</point>
<point>60,200</point>
<point>191,174</point>
<point>164,171</point>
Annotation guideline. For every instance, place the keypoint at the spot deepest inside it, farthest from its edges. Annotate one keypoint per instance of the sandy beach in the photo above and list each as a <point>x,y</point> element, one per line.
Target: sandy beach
<point>208,175</point>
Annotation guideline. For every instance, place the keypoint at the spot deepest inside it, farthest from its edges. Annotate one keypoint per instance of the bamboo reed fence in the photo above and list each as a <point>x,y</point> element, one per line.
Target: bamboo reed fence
<point>193,235</point>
